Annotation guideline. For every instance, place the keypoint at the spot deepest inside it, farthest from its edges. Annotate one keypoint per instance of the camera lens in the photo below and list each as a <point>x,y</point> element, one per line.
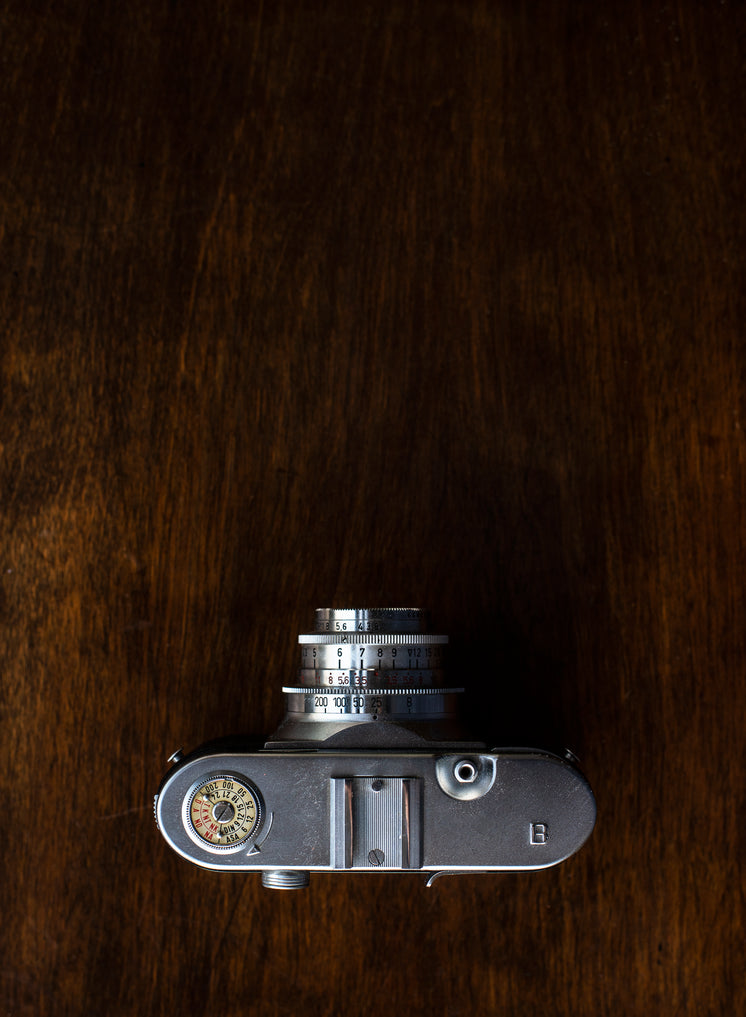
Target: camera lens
<point>364,666</point>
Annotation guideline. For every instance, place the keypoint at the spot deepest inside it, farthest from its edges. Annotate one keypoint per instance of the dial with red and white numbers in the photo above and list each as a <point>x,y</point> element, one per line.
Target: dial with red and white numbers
<point>222,813</point>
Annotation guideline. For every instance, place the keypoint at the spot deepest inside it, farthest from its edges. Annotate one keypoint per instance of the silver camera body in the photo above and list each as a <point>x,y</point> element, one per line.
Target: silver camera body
<point>370,772</point>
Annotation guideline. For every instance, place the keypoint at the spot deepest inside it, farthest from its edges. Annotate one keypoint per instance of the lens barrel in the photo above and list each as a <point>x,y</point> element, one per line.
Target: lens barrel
<point>370,676</point>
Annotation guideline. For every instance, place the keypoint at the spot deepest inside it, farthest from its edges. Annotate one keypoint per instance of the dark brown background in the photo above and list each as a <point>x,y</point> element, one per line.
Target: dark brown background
<point>395,303</point>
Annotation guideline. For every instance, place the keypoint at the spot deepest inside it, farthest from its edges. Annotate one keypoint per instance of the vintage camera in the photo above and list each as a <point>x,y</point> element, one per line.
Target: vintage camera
<point>371,772</point>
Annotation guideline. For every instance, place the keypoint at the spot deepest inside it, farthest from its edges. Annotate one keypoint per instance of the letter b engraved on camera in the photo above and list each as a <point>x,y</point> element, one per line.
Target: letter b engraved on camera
<point>539,833</point>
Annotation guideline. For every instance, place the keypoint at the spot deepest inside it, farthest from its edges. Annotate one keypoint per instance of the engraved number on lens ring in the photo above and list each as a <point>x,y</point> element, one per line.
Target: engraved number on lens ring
<point>222,812</point>
<point>361,656</point>
<point>370,677</point>
<point>342,702</point>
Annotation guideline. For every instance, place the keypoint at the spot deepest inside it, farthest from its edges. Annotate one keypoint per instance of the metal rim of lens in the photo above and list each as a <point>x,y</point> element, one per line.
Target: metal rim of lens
<point>370,619</point>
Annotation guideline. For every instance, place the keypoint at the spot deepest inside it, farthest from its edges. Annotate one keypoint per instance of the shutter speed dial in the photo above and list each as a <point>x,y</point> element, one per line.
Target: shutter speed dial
<point>222,813</point>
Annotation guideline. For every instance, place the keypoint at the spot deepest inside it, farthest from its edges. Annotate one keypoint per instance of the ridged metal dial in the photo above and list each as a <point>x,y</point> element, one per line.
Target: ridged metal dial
<point>403,704</point>
<point>222,812</point>
<point>370,619</point>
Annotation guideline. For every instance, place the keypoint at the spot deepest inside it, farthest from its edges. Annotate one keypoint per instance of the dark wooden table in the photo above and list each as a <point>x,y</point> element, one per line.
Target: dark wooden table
<point>312,303</point>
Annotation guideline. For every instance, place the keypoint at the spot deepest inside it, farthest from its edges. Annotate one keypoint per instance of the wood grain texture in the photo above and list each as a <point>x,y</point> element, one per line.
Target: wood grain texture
<point>311,303</point>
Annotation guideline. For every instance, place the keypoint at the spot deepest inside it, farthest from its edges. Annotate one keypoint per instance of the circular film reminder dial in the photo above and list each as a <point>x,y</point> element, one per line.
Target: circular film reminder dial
<point>222,813</point>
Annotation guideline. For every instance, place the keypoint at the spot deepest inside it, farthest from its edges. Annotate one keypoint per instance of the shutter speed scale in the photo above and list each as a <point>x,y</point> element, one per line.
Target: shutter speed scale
<point>220,813</point>
<point>370,771</point>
